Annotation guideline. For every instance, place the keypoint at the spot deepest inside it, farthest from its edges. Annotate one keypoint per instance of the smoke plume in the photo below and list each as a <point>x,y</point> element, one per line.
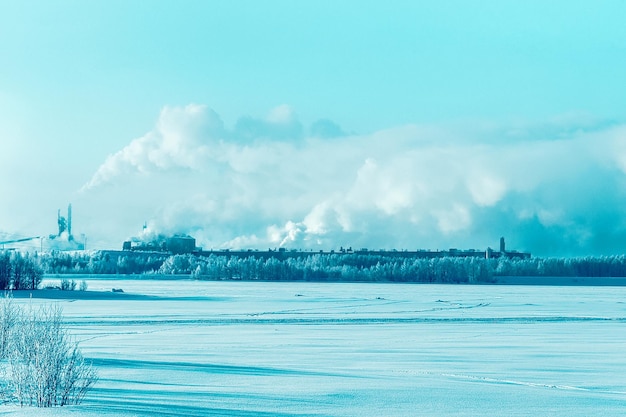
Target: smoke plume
<point>555,188</point>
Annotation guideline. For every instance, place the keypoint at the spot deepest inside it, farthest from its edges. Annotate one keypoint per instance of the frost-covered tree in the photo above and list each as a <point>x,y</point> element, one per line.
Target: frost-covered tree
<point>25,273</point>
<point>43,365</point>
<point>6,270</point>
<point>9,318</point>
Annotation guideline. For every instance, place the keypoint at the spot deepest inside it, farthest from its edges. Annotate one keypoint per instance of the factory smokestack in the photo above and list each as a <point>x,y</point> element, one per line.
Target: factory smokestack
<point>69,221</point>
<point>64,241</point>
<point>61,222</point>
<point>502,245</point>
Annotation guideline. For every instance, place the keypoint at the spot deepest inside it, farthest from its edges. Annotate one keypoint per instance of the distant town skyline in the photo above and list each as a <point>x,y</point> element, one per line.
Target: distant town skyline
<point>316,125</point>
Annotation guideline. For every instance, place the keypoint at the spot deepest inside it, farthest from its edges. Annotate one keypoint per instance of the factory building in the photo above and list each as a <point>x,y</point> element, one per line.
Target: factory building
<point>282,253</point>
<point>181,244</point>
<point>64,240</point>
<point>177,244</point>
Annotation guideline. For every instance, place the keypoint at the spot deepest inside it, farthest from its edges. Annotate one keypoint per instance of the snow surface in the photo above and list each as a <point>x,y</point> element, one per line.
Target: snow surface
<point>189,348</point>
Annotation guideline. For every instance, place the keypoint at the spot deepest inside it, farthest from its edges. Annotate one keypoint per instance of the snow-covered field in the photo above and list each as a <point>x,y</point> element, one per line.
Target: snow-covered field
<point>187,348</point>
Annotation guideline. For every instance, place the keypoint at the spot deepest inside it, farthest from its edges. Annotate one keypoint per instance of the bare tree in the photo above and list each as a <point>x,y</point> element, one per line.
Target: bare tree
<point>6,269</point>
<point>45,367</point>
<point>9,317</point>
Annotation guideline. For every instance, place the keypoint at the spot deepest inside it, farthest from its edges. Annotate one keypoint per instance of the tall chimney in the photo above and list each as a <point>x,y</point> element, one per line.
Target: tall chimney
<point>69,221</point>
<point>502,246</point>
<point>60,222</point>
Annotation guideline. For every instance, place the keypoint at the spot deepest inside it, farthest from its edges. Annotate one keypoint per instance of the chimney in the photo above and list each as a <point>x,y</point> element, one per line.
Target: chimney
<point>69,220</point>
<point>502,246</point>
<point>61,222</point>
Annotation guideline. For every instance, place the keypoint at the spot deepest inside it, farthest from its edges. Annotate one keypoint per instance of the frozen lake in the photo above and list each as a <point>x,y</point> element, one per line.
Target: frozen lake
<point>188,348</point>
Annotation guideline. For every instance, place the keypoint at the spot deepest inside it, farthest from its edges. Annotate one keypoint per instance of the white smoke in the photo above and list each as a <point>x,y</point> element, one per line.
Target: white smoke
<point>182,138</point>
<point>554,187</point>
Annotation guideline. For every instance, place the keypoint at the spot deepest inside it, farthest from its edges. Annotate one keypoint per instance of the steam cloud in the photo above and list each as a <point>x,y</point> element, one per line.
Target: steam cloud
<point>552,189</point>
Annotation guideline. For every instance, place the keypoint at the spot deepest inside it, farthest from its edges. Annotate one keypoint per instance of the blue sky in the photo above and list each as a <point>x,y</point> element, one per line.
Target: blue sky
<point>215,108</point>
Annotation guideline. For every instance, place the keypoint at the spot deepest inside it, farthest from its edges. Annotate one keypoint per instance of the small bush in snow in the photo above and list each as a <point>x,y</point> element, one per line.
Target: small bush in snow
<point>43,367</point>
<point>9,317</point>
<point>67,285</point>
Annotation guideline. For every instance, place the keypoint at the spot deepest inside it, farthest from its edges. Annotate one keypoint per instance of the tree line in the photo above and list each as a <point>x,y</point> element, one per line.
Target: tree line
<point>327,267</point>
<point>19,271</point>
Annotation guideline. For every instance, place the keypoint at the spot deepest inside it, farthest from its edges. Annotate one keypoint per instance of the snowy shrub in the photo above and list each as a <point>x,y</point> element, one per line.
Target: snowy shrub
<point>43,367</point>
<point>9,317</point>
<point>83,285</point>
<point>67,285</point>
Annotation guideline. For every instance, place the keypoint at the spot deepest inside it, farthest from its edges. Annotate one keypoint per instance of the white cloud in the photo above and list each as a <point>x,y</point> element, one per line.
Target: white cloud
<point>280,124</point>
<point>486,189</point>
<point>453,219</point>
<point>618,147</point>
<point>182,138</point>
<point>282,114</point>
<point>262,184</point>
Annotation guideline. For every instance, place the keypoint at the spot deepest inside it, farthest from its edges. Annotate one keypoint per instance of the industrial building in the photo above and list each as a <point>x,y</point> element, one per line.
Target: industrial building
<point>282,253</point>
<point>176,244</point>
<point>63,240</point>
<point>181,244</point>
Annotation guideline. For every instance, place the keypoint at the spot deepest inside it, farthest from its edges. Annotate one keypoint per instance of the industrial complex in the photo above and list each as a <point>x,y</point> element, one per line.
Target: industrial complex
<point>177,244</point>
<point>182,244</point>
<point>63,240</point>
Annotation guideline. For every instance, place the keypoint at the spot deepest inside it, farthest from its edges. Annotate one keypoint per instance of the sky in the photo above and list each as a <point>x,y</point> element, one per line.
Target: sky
<point>317,124</point>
